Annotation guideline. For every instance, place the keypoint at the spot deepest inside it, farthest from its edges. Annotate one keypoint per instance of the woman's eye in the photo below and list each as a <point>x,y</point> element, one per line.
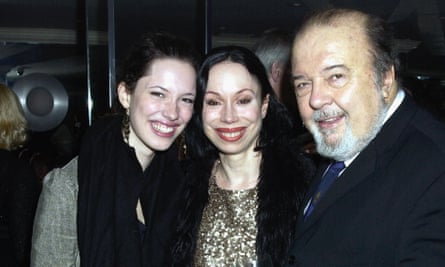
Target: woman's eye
<point>245,101</point>
<point>211,102</point>
<point>157,94</point>
<point>188,100</point>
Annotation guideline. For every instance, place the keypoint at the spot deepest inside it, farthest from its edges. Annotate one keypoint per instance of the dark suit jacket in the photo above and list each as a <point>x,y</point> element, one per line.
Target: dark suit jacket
<point>388,207</point>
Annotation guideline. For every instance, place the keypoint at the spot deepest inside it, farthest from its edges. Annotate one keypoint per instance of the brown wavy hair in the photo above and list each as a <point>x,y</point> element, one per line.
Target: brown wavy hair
<point>13,124</point>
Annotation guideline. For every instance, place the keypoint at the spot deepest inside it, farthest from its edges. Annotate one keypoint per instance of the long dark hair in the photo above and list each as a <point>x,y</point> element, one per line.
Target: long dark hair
<point>277,124</point>
<point>276,136</point>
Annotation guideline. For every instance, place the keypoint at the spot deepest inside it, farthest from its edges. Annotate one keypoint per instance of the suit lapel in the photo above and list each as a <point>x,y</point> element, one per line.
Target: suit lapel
<point>364,165</point>
<point>311,190</point>
<point>316,181</point>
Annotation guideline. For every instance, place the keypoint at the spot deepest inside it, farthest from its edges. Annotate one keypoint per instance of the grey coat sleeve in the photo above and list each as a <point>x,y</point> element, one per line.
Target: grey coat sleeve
<point>54,239</point>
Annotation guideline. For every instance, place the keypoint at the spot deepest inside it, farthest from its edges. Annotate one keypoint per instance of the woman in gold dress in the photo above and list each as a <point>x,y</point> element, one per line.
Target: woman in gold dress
<point>245,169</point>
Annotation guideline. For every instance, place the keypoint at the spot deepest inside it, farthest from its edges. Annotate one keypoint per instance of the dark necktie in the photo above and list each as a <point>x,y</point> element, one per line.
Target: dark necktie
<point>326,181</point>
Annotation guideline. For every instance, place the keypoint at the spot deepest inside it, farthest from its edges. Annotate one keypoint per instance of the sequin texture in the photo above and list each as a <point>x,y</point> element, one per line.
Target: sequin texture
<point>228,229</point>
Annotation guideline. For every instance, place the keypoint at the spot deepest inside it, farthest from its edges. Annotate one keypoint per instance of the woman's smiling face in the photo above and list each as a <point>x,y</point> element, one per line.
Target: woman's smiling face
<point>233,109</point>
<point>161,105</point>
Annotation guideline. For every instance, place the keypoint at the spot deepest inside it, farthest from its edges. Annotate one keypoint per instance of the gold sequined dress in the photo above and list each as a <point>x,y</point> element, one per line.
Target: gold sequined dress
<point>228,229</point>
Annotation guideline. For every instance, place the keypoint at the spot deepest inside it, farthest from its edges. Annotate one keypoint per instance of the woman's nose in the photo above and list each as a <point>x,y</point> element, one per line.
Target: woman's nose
<point>229,114</point>
<point>170,110</point>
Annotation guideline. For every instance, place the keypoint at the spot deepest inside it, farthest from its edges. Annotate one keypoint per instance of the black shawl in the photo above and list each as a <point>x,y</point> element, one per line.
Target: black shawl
<point>110,182</point>
<point>19,193</point>
<point>284,177</point>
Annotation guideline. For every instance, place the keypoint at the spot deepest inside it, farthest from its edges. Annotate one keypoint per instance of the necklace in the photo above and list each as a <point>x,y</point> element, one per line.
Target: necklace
<point>222,180</point>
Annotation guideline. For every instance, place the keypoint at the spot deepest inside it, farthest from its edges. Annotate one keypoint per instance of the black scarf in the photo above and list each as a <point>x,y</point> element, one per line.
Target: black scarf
<point>110,182</point>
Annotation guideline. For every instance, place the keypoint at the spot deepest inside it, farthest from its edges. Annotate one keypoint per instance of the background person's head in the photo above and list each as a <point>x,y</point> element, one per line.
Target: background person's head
<point>219,67</point>
<point>273,49</point>
<point>13,124</point>
<point>156,90</point>
<point>344,66</point>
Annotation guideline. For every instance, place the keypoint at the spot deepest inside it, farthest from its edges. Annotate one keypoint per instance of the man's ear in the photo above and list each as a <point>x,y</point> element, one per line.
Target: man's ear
<point>123,95</point>
<point>388,83</point>
<point>276,72</point>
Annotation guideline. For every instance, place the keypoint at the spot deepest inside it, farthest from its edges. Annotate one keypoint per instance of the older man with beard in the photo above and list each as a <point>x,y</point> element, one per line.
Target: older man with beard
<point>384,205</point>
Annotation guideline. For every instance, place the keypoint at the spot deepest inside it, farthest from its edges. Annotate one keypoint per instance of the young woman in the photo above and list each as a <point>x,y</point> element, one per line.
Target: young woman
<point>246,174</point>
<point>123,189</point>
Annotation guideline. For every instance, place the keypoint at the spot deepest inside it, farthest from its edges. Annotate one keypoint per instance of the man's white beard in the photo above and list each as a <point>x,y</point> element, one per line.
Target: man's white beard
<point>349,145</point>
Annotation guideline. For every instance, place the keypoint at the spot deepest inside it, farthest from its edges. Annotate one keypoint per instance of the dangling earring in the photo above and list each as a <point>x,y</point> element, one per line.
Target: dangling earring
<point>126,125</point>
<point>182,147</point>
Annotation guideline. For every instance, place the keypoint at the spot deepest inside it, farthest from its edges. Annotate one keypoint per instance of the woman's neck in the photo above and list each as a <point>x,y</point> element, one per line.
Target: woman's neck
<point>144,154</point>
<point>237,172</point>
<point>144,158</point>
